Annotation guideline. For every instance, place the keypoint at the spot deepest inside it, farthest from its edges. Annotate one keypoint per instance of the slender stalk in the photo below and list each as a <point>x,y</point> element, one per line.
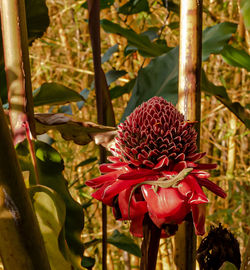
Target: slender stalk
<point>16,58</point>
<point>150,244</point>
<point>189,105</point>
<point>21,243</point>
<point>105,114</point>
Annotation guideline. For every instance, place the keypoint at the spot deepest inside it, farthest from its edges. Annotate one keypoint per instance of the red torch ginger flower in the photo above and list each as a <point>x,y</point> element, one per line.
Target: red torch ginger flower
<point>154,170</point>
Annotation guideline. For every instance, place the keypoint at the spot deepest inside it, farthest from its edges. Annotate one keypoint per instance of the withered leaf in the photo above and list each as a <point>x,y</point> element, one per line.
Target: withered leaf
<point>80,132</point>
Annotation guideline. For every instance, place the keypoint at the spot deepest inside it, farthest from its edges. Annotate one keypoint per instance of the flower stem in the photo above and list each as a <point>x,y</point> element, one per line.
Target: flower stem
<point>150,244</point>
<point>105,113</point>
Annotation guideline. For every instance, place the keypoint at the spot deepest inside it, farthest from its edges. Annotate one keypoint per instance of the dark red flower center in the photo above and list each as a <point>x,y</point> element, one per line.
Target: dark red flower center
<point>153,131</point>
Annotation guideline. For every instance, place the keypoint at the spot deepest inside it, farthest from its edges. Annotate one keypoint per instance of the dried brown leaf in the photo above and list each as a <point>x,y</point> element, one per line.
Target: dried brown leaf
<point>80,132</point>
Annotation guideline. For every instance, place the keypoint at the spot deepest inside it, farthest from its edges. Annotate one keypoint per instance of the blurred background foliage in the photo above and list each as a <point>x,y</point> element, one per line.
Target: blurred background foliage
<point>135,37</point>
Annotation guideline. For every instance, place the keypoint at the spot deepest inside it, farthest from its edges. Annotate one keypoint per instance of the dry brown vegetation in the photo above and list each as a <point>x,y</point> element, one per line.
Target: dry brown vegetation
<point>63,55</point>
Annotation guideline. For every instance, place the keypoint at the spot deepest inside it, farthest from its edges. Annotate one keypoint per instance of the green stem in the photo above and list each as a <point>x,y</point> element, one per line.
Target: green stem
<point>21,243</point>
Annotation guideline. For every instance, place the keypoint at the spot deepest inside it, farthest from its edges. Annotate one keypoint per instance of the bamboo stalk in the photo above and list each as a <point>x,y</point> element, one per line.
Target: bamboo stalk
<point>21,243</point>
<point>17,68</point>
<point>189,104</point>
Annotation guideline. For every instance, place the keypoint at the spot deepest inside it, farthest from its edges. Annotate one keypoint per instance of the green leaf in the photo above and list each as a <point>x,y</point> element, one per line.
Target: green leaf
<point>245,10</point>
<point>235,57</point>
<point>141,42</point>
<point>124,242</point>
<point>160,78</point>
<point>86,162</point>
<point>228,266</point>
<point>50,167</point>
<point>54,94</point>
<point>113,74</point>
<point>88,262</point>
<point>133,7</point>
<point>37,18</point>
<point>51,212</point>
<point>118,91</point>
<point>103,4</point>
<point>171,6</point>
<point>109,53</point>
<point>216,37</point>
<point>221,94</point>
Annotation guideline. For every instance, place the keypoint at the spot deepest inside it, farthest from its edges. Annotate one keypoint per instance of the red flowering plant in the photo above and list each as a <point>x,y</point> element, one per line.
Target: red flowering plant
<point>154,170</point>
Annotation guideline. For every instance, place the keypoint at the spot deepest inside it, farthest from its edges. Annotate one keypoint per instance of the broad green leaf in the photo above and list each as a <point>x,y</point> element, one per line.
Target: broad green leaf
<point>109,53</point>
<point>160,78</point>
<point>228,266</point>
<point>245,10</point>
<point>113,74</point>
<point>118,91</point>
<point>133,7</point>
<point>54,94</point>
<point>151,33</point>
<point>50,167</point>
<point>216,37</point>
<point>124,242</point>
<point>51,212</point>
<point>141,42</point>
<point>80,132</point>
<point>235,57</point>
<point>88,262</point>
<point>171,6</point>
<point>37,18</point>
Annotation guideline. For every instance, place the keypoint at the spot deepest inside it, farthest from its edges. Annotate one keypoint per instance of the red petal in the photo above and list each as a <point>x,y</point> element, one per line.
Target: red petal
<point>212,187</point>
<point>110,167</point>
<point>189,188</point>
<point>199,216</point>
<point>101,180</point>
<point>180,166</point>
<point>161,163</point>
<point>99,195</point>
<point>167,203</point>
<point>136,208</point>
<point>206,166</point>
<point>135,174</point>
<point>107,194</point>
<point>195,156</point>
<point>180,157</point>
<point>113,159</point>
<point>200,174</point>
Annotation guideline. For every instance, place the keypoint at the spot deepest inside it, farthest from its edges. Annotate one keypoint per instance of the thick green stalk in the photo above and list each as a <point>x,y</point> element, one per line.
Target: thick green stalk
<point>17,68</point>
<point>189,105</point>
<point>21,243</point>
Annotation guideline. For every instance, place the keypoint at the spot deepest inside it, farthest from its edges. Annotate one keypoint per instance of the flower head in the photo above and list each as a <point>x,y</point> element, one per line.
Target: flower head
<point>154,170</point>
